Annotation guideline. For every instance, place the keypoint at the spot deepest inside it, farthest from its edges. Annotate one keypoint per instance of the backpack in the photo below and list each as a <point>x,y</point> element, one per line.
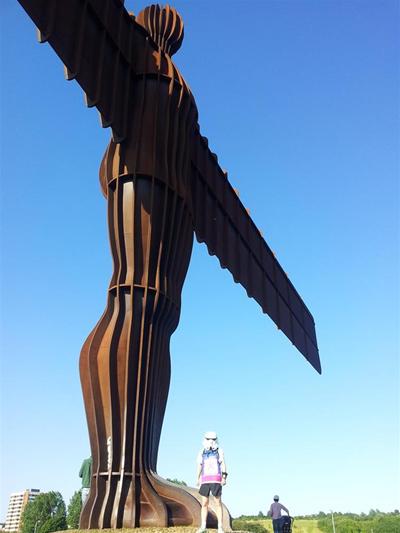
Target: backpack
<point>211,467</point>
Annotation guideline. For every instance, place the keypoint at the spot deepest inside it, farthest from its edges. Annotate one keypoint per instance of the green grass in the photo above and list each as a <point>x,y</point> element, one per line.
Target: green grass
<point>299,526</point>
<point>306,526</point>
<point>182,529</point>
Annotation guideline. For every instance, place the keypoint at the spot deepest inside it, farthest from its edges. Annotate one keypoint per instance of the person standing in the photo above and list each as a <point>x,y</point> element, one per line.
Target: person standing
<point>211,476</point>
<point>85,473</point>
<point>275,512</point>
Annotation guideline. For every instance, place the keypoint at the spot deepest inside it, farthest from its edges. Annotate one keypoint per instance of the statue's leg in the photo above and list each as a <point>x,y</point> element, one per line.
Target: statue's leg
<point>125,362</point>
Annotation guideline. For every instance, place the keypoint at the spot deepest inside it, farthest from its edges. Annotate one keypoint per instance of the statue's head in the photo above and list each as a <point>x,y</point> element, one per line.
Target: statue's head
<point>164,25</point>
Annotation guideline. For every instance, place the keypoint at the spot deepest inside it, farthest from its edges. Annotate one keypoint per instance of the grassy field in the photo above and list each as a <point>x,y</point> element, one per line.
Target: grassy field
<point>181,529</point>
<point>306,526</point>
<point>299,526</point>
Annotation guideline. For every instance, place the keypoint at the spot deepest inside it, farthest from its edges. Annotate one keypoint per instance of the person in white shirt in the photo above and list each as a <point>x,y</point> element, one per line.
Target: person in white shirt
<point>211,476</point>
<point>275,512</point>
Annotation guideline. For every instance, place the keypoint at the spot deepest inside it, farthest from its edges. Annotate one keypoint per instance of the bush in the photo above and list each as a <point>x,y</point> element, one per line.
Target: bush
<point>387,524</point>
<point>244,525</point>
<point>378,523</point>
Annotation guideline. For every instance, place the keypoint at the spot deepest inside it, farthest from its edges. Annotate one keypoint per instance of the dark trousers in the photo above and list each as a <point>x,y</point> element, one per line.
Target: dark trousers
<point>277,525</point>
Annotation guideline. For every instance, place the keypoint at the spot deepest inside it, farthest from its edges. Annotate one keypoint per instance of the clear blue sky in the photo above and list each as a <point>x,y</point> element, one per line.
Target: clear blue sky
<point>300,100</point>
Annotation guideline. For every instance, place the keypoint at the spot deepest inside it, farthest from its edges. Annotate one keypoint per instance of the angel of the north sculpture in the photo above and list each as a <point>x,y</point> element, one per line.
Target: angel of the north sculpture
<point>162,185</point>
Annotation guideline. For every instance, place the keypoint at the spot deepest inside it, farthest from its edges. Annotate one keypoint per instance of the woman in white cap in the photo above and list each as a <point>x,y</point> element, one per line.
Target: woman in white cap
<point>211,476</point>
<point>276,514</point>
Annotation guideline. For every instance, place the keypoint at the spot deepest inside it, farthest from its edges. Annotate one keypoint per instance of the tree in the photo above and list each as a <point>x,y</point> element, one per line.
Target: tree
<point>74,510</point>
<point>177,482</point>
<point>46,513</point>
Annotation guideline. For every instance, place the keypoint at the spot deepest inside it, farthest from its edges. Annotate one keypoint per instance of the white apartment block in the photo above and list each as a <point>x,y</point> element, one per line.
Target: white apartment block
<point>16,505</point>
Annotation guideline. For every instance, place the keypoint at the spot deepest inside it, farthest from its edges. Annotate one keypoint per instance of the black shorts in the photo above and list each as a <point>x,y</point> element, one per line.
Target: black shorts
<point>214,488</point>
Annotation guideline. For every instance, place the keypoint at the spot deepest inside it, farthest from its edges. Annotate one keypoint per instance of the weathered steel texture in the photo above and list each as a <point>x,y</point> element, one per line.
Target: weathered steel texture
<point>162,184</point>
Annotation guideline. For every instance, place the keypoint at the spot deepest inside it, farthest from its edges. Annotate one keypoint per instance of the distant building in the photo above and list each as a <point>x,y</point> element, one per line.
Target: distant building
<point>16,505</point>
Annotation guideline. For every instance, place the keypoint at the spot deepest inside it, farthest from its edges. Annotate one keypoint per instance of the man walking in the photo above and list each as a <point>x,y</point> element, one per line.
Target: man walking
<point>275,512</point>
<point>86,474</point>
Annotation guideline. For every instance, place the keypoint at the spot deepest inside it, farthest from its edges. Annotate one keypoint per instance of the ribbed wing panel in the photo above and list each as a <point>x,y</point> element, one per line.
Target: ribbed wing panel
<point>223,223</point>
<point>95,39</point>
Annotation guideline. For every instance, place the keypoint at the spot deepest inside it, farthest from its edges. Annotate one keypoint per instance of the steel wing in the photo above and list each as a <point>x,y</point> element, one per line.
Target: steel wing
<point>95,39</point>
<point>223,223</point>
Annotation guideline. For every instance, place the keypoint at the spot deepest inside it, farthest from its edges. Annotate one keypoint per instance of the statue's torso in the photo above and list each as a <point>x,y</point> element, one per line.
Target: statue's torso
<point>162,120</point>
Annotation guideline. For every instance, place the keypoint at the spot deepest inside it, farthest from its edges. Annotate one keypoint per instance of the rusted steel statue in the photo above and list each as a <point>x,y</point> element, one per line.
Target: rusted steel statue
<point>162,184</point>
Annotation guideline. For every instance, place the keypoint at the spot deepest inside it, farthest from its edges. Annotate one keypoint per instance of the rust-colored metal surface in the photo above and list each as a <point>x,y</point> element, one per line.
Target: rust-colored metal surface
<point>162,185</point>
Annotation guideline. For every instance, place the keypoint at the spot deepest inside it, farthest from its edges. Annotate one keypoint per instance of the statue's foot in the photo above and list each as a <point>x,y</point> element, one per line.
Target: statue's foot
<point>147,501</point>
<point>183,507</point>
<point>123,501</point>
